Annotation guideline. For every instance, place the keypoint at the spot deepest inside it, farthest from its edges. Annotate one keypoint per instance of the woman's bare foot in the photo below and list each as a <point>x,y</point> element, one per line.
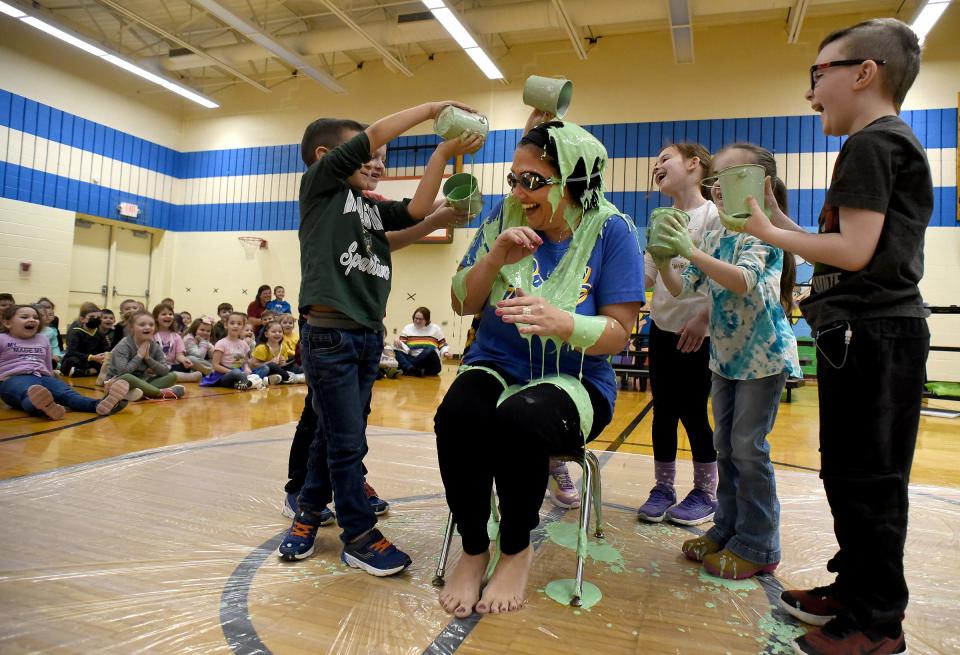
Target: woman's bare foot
<point>506,591</point>
<point>462,589</point>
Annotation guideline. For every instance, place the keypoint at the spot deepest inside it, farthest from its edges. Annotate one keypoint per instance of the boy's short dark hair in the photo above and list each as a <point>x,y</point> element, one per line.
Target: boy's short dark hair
<point>279,286</point>
<point>106,311</point>
<point>224,306</point>
<point>888,39</point>
<point>7,296</point>
<point>326,132</point>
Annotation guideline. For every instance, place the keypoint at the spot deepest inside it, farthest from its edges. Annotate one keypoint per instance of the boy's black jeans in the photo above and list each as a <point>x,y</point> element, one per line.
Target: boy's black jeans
<point>869,415</point>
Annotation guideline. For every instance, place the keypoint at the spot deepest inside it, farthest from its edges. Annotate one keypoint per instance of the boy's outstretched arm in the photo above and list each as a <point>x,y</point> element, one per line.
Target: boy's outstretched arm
<point>850,249</point>
<point>423,198</point>
<point>388,128</point>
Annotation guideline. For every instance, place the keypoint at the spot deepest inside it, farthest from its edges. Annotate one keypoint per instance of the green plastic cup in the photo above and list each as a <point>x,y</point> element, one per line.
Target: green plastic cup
<point>738,182</point>
<point>462,192</point>
<point>549,94</point>
<point>452,121</point>
<point>655,246</point>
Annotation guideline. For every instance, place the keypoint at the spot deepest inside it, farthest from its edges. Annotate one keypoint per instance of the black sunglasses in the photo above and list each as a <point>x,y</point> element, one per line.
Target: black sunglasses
<point>530,181</point>
<point>840,62</point>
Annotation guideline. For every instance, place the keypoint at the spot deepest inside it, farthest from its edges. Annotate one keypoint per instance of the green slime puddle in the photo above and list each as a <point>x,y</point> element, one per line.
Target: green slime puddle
<point>567,536</point>
<point>778,636</point>
<point>732,585</point>
<point>561,591</point>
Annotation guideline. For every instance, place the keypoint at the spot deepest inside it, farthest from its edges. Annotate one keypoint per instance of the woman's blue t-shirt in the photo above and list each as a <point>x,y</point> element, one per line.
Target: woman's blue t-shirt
<point>613,275</point>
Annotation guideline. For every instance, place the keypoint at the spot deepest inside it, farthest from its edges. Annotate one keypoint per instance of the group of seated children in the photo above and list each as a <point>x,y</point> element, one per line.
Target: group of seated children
<point>145,354</point>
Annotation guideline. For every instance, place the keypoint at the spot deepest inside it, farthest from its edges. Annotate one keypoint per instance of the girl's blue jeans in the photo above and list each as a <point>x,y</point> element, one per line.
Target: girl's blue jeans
<point>747,521</point>
<point>13,391</point>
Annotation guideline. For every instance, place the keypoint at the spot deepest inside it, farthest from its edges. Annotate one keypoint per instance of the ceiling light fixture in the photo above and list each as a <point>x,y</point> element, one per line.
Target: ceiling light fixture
<point>462,36</point>
<point>45,25</point>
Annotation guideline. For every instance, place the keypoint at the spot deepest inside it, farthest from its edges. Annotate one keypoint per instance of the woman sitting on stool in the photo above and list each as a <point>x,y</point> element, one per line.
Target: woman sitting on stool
<point>557,267</point>
<point>421,345</point>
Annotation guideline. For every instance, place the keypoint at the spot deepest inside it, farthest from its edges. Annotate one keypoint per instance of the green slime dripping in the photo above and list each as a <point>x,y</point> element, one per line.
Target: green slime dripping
<point>561,591</point>
<point>562,288</point>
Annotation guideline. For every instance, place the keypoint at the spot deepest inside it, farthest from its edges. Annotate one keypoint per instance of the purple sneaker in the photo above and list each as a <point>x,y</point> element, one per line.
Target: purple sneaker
<point>661,499</point>
<point>695,509</point>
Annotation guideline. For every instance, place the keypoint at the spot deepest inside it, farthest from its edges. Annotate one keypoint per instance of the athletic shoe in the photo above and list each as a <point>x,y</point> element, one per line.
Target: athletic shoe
<point>393,373</point>
<point>134,395</point>
<point>274,379</point>
<point>814,606</point>
<point>728,566</point>
<point>242,385</point>
<point>839,637</point>
<point>378,505</point>
<point>291,507</point>
<point>375,554</point>
<point>114,401</point>
<point>299,540</point>
<point>256,381</point>
<point>42,399</point>
<point>695,509</point>
<point>696,549</point>
<point>563,493</point>
<point>661,499</point>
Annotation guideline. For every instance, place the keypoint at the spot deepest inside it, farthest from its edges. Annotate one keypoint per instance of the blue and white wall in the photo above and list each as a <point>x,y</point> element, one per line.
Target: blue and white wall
<point>75,138</point>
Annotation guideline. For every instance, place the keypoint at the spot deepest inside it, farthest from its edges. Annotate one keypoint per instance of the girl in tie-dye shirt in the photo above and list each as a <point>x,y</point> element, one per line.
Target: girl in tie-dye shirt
<point>752,353</point>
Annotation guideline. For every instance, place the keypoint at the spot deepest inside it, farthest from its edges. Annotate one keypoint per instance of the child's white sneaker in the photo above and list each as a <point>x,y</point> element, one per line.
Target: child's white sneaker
<point>274,379</point>
<point>255,380</point>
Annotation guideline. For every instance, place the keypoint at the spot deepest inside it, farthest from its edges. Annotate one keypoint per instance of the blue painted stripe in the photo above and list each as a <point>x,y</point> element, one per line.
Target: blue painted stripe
<point>38,187</point>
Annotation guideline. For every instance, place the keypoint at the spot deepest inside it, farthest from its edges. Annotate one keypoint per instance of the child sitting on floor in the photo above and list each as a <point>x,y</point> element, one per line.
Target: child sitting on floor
<point>230,357</point>
<point>174,352</point>
<point>138,361</point>
<point>27,381</point>
<point>197,344</point>
<point>271,356</point>
<point>86,348</point>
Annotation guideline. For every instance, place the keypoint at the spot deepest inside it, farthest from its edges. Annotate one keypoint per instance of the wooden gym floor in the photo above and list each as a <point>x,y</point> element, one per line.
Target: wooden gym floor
<point>153,532</point>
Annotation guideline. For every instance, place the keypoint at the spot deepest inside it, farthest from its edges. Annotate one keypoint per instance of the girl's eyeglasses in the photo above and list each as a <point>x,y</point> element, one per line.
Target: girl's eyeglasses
<point>530,181</point>
<point>817,68</point>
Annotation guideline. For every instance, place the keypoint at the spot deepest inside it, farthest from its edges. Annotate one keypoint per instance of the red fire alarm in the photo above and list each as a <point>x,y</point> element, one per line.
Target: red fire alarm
<point>25,267</point>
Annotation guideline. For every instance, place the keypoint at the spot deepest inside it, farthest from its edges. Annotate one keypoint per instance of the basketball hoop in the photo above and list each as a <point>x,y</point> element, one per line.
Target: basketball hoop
<point>251,245</point>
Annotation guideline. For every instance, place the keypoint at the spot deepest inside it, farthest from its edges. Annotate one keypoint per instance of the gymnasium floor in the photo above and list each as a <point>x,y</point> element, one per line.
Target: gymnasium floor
<point>153,532</point>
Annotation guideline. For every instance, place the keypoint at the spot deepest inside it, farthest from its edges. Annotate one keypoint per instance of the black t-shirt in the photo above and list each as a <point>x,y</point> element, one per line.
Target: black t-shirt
<point>881,168</point>
<point>344,252</point>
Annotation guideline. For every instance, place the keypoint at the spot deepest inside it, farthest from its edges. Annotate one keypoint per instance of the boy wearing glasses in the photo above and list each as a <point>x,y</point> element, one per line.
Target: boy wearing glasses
<point>345,281</point>
<point>870,326</point>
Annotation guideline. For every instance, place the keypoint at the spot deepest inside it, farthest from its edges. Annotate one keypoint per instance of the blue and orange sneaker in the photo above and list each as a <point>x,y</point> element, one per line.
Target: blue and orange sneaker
<point>377,504</point>
<point>375,554</point>
<point>299,540</point>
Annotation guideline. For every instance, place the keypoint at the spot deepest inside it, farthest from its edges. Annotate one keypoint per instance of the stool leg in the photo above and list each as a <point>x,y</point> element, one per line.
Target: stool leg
<point>594,465</point>
<point>584,523</point>
<point>442,564</point>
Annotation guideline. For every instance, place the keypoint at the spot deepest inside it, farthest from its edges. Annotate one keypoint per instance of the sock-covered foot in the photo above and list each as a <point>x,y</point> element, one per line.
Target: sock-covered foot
<point>507,589</point>
<point>461,591</point>
<point>725,564</point>
<point>696,549</point>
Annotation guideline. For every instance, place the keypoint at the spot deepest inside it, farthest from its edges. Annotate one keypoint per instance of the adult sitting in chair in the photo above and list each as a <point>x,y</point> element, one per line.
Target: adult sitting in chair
<point>556,268</point>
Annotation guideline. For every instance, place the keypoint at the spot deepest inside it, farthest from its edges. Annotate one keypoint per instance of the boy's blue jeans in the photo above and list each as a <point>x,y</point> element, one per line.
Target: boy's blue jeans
<point>13,391</point>
<point>747,522</point>
<point>341,366</point>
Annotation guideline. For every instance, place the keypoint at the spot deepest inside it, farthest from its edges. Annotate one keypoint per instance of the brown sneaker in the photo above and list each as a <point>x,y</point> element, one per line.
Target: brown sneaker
<point>696,549</point>
<point>43,401</point>
<point>814,606</point>
<point>728,566</point>
<point>834,639</point>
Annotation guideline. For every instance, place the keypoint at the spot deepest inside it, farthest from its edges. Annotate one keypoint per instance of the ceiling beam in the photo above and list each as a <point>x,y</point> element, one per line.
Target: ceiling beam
<point>386,54</point>
<point>267,42</point>
<point>571,29</point>
<point>795,19</point>
<point>183,44</point>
